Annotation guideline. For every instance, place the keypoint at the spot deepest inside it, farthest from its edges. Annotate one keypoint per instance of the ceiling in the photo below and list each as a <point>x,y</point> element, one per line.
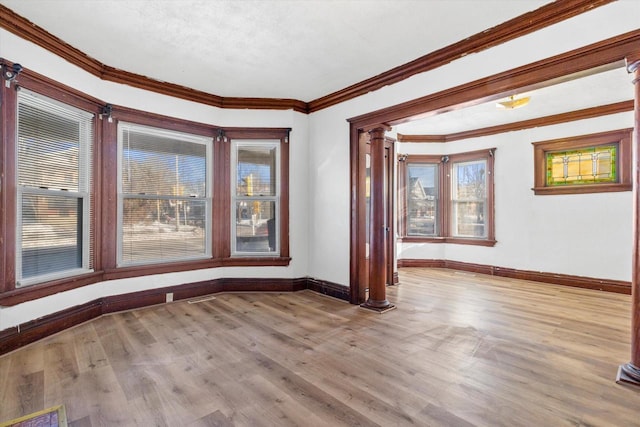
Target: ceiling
<point>299,49</point>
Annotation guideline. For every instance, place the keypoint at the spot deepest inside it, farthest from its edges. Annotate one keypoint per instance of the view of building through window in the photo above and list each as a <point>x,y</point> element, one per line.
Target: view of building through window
<point>165,201</point>
<point>422,199</point>
<point>468,195</point>
<point>256,197</point>
<point>447,198</point>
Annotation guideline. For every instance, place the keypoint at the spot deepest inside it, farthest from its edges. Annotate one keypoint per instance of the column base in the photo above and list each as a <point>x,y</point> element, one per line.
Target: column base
<point>378,306</point>
<point>628,374</point>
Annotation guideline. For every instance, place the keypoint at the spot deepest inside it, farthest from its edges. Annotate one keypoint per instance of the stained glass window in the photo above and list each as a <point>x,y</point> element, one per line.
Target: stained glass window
<point>590,165</point>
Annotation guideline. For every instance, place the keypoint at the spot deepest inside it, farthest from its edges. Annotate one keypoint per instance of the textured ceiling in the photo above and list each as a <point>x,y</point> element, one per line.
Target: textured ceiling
<point>300,49</point>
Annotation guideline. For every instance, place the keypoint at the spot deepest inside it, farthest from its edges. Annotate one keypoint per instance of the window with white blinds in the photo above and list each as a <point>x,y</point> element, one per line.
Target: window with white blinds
<point>54,189</point>
<point>255,198</point>
<point>164,187</point>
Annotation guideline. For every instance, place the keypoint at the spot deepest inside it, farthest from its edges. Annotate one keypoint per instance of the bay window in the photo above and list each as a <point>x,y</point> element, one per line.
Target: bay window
<point>447,199</point>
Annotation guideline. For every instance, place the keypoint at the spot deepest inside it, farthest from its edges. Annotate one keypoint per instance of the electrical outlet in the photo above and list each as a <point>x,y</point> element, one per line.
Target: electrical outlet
<point>169,296</point>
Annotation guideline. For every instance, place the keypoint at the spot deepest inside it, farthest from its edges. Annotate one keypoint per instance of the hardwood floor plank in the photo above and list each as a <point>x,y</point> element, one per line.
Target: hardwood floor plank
<point>461,349</point>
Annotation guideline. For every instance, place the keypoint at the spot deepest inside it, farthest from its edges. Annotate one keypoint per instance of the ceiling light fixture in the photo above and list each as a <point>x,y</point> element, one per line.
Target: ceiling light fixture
<point>512,102</point>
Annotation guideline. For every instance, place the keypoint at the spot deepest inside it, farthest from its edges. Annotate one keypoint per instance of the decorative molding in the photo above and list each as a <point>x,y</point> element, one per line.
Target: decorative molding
<point>607,285</point>
<point>28,332</point>
<point>527,23</point>
<point>587,113</point>
<point>29,31</point>
<point>601,56</point>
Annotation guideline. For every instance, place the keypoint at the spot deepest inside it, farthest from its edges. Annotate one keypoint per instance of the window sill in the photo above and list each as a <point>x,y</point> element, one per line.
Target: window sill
<point>29,293</point>
<point>451,240</point>
<point>581,189</point>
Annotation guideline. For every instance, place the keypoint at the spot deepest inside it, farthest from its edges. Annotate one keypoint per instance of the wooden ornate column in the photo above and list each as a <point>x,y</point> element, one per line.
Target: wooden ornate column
<point>378,228</point>
<point>630,372</point>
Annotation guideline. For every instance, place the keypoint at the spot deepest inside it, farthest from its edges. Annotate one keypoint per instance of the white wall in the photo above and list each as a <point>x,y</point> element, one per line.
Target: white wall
<point>329,167</point>
<point>580,234</point>
<point>319,188</point>
<point>37,59</point>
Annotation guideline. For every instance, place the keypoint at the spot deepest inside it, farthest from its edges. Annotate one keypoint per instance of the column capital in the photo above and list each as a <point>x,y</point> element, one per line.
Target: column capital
<point>379,128</point>
<point>632,62</point>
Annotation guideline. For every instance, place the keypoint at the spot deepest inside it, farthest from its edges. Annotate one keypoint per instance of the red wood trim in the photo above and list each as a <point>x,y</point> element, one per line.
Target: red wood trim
<point>422,138</point>
<point>284,196</point>
<point>29,293</point>
<point>587,113</point>
<point>256,133</point>
<point>633,369</point>
<point>7,187</point>
<point>608,285</point>
<point>527,23</point>
<point>28,332</point>
<point>422,263</point>
<point>396,278</point>
<point>356,221</point>
<point>450,240</point>
<point>582,189</point>
<point>45,326</point>
<point>27,30</point>
<point>604,55</point>
<point>328,288</point>
<point>265,104</point>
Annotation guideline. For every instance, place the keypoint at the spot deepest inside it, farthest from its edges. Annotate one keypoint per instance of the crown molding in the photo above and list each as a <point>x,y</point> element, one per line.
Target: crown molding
<point>527,23</point>
<point>25,29</point>
<point>601,56</point>
<point>547,15</point>
<point>587,113</point>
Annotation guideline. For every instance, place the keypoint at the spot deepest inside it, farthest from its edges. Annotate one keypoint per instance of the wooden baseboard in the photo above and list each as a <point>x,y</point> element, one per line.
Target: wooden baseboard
<point>28,332</point>
<point>328,288</point>
<point>396,278</point>
<point>617,286</point>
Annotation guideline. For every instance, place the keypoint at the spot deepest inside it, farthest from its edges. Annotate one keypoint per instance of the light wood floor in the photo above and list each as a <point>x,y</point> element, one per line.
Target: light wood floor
<point>460,350</point>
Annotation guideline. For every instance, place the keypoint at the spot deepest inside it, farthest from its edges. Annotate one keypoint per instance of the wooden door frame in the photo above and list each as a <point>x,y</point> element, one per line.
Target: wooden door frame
<point>600,56</point>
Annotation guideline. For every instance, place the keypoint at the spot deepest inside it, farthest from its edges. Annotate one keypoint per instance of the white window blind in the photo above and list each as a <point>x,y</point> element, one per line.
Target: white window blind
<point>256,197</point>
<point>54,181</point>
<point>165,195</point>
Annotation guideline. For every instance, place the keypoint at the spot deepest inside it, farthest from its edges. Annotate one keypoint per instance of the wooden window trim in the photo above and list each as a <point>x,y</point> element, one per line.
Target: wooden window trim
<point>104,219</point>
<point>622,137</point>
<point>444,188</point>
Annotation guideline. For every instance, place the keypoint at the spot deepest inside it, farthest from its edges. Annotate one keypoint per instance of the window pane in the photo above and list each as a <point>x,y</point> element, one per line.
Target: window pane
<point>584,166</point>
<point>51,234</point>
<point>469,194</point>
<point>156,229</point>
<point>255,226</point>
<point>256,174</point>
<point>422,200</point>
<point>469,219</point>
<point>162,165</point>
<point>54,152</point>
<point>49,144</point>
